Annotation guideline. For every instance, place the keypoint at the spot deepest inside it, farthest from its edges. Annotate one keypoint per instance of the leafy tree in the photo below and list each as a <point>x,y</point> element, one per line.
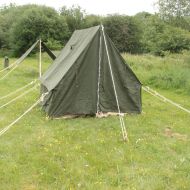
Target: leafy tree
<point>8,15</point>
<point>2,37</point>
<point>38,22</point>
<point>175,12</point>
<point>20,26</point>
<point>92,20</point>
<point>159,37</point>
<point>174,8</point>
<point>54,44</point>
<point>124,32</point>
<point>74,17</point>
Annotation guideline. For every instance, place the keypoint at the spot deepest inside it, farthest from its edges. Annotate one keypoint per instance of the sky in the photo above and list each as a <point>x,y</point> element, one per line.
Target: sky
<point>100,7</point>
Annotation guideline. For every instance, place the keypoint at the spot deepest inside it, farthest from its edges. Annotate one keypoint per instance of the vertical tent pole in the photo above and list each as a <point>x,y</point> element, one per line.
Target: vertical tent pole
<point>122,123</point>
<point>40,58</point>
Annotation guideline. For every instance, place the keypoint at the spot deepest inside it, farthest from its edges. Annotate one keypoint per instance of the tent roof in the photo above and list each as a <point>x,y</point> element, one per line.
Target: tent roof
<point>68,56</point>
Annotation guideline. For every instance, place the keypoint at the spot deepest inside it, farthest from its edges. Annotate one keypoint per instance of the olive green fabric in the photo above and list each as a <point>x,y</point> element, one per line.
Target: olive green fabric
<point>68,56</point>
<point>72,80</point>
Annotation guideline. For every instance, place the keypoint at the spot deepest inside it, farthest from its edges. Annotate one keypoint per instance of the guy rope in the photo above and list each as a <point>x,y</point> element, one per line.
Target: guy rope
<point>20,60</point>
<point>9,66</point>
<point>122,123</point>
<point>5,129</point>
<point>17,97</point>
<point>164,99</point>
<point>18,90</point>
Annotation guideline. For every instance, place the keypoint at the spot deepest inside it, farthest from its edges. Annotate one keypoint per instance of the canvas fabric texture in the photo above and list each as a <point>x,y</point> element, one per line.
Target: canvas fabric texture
<point>72,80</point>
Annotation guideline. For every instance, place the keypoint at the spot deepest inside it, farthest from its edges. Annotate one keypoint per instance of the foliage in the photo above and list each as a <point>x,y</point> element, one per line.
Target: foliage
<point>20,26</point>
<point>8,14</point>
<point>174,8</point>
<point>2,37</point>
<point>74,17</point>
<point>168,73</point>
<point>175,12</point>
<point>159,37</point>
<point>53,44</point>
<point>124,32</point>
<point>92,20</point>
<point>40,22</point>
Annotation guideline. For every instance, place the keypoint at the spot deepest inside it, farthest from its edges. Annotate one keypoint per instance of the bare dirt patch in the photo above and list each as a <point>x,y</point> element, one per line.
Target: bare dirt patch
<point>169,133</point>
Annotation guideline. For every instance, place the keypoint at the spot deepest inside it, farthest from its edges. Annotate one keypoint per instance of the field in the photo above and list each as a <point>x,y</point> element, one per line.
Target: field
<point>88,153</point>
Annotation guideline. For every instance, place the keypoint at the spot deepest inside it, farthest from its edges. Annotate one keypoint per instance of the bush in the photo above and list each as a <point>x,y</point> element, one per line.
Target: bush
<point>74,17</point>
<point>38,22</point>
<point>9,15</point>
<point>21,26</point>
<point>53,44</point>
<point>92,20</point>
<point>124,32</point>
<point>175,40</point>
<point>159,37</point>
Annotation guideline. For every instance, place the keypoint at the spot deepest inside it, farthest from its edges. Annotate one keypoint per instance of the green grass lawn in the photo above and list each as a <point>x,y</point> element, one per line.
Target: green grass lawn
<point>88,153</point>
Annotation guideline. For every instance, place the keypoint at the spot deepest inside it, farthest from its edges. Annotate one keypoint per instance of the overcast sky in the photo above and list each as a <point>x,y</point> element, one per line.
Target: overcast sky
<point>101,7</point>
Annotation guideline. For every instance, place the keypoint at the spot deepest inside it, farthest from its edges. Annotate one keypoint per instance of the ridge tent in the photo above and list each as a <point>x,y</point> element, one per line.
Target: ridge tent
<point>89,76</point>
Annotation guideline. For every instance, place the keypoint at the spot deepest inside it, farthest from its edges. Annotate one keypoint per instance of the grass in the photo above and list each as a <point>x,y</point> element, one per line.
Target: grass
<point>168,73</point>
<point>88,153</point>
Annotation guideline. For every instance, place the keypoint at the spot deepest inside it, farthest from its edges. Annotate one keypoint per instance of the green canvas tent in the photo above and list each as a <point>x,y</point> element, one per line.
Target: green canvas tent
<point>90,76</point>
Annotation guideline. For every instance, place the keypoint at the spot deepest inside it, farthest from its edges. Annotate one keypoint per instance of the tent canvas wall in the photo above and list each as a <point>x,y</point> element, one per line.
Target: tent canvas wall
<point>80,81</point>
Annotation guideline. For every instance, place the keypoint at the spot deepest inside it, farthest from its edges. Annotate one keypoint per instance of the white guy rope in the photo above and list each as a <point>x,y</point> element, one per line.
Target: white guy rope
<point>20,60</point>
<point>146,90</point>
<point>9,66</point>
<point>5,129</point>
<point>164,99</point>
<point>4,76</point>
<point>18,90</point>
<point>122,123</point>
<point>99,73</point>
<point>21,95</point>
<point>10,125</point>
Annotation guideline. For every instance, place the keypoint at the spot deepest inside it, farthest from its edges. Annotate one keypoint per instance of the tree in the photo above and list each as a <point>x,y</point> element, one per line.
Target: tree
<point>174,8</point>
<point>159,37</point>
<point>8,14</point>
<point>38,22</point>
<point>92,20</point>
<point>124,32</point>
<point>74,17</point>
<point>175,12</point>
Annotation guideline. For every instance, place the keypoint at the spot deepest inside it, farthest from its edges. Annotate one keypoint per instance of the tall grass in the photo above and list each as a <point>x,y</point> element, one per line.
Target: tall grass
<point>169,72</point>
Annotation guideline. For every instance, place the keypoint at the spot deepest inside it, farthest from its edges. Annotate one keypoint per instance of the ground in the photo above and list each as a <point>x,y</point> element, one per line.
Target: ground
<point>88,153</point>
